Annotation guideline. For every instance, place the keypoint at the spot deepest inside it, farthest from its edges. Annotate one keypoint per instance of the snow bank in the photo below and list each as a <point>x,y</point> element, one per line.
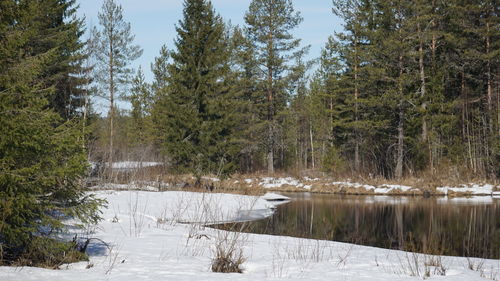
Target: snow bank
<point>188,207</point>
<point>387,188</point>
<point>270,196</point>
<point>270,182</point>
<point>475,189</point>
<point>132,186</point>
<point>133,164</point>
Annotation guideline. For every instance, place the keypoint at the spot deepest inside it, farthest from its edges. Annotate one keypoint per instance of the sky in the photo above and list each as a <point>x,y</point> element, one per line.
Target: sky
<point>153,22</point>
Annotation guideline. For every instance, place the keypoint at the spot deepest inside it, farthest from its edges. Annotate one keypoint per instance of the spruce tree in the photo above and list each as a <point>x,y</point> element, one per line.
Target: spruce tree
<point>140,98</point>
<point>59,30</point>
<point>244,74</point>
<point>41,157</point>
<point>198,124</point>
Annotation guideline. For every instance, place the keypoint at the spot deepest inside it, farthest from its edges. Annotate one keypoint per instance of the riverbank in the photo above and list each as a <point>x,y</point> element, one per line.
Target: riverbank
<point>144,236</point>
<point>258,185</point>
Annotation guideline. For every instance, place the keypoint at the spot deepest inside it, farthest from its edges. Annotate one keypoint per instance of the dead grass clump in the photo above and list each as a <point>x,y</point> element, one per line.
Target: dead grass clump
<point>228,251</point>
<point>239,186</point>
<point>224,263</point>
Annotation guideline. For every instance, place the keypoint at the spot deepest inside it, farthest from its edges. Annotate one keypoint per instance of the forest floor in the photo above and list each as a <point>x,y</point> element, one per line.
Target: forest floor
<point>160,236</point>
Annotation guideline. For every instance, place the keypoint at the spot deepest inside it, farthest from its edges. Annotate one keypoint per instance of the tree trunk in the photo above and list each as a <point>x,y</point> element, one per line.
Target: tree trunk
<point>111,107</point>
<point>400,146</point>
<point>489,90</point>
<point>312,145</point>
<point>270,113</point>
<point>356,107</point>
<point>422,83</point>
<point>85,113</point>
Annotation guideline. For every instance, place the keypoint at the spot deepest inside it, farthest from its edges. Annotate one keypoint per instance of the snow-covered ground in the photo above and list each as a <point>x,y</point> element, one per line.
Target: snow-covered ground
<point>129,164</point>
<point>147,240</point>
<point>269,182</point>
<point>134,164</point>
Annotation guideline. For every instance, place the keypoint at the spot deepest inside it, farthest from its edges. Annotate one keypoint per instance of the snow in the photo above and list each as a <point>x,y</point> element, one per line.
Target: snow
<point>386,188</point>
<point>211,179</point>
<point>132,186</point>
<point>189,207</point>
<point>275,199</point>
<point>476,189</point>
<point>147,242</point>
<point>269,182</point>
<point>133,164</point>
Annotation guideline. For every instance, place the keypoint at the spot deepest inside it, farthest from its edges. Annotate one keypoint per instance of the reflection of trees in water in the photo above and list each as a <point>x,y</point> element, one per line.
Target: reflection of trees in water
<point>419,225</point>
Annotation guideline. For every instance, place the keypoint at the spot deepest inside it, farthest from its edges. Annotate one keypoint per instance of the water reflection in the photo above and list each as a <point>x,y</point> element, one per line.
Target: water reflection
<point>457,227</point>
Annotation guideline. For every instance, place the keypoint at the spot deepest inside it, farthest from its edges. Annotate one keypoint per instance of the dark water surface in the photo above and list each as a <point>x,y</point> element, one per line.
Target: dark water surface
<point>458,227</point>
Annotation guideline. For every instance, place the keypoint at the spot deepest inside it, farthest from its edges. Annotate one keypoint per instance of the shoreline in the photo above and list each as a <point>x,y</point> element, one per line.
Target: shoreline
<point>261,185</point>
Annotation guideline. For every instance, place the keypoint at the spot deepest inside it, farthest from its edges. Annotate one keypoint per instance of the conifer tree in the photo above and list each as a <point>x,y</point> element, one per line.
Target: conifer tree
<point>41,157</point>
<point>269,23</point>
<point>60,30</point>
<point>244,71</point>
<point>160,69</point>
<point>114,53</point>
<point>199,124</point>
<point>140,98</point>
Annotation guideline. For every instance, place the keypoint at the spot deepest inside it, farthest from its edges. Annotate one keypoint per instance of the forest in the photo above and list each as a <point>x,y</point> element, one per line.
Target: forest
<point>409,88</point>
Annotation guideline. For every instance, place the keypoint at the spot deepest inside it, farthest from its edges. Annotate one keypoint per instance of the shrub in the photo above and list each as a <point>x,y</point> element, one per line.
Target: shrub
<point>49,253</point>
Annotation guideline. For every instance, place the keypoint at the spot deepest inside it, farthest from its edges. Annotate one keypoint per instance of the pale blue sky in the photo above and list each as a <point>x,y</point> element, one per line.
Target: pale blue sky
<point>153,22</point>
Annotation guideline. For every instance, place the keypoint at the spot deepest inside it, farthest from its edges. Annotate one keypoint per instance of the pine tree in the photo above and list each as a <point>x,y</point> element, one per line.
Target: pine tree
<point>114,52</point>
<point>198,107</point>
<point>269,23</point>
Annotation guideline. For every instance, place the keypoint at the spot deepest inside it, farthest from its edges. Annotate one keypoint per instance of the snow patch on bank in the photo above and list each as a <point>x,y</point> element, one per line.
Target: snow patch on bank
<point>307,183</point>
<point>475,189</point>
<point>133,164</point>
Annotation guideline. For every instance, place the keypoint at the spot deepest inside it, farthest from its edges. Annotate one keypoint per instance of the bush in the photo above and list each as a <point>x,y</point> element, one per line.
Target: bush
<point>48,253</point>
<point>228,252</point>
<point>227,262</point>
<point>333,162</point>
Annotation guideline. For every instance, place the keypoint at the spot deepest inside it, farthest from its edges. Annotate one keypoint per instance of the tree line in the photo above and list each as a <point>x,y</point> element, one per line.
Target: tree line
<point>408,88</point>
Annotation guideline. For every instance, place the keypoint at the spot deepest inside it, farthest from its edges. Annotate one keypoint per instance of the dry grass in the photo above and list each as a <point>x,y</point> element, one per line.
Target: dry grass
<point>424,183</point>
